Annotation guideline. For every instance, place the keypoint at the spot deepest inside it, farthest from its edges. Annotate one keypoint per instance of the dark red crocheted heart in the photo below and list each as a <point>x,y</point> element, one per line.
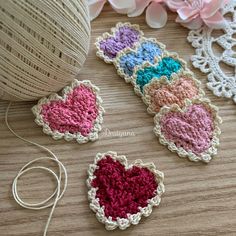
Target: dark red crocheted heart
<point>123,191</point>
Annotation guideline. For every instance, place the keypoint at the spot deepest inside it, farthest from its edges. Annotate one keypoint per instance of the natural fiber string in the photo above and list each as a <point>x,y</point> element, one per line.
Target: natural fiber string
<point>56,195</point>
<point>43,45</point>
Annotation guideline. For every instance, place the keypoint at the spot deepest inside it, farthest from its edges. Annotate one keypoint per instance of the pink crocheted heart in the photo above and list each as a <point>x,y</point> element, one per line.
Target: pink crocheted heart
<point>123,191</point>
<point>76,113</point>
<point>192,130</point>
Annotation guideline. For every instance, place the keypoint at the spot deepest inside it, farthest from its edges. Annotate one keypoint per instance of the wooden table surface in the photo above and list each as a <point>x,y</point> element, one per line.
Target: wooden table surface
<point>200,199</point>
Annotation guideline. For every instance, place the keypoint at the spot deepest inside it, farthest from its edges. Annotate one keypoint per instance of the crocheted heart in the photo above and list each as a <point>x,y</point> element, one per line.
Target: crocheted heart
<point>159,93</point>
<point>165,67</point>
<point>119,193</point>
<point>78,114</point>
<point>192,132</point>
<point>145,51</point>
<point>123,36</point>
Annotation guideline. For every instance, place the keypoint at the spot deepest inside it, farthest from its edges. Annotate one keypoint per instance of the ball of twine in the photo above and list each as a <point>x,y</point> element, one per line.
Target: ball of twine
<point>43,45</point>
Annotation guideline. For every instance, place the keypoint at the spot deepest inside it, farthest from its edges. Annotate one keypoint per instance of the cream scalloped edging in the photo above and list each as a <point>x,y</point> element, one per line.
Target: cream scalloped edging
<point>92,136</point>
<point>134,219</point>
<point>135,49</point>
<point>207,155</point>
<point>106,35</point>
<point>164,81</point>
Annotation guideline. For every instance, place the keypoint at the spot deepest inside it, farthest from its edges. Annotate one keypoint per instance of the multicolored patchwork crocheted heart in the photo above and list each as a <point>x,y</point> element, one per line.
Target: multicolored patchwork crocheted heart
<point>166,66</point>
<point>192,132</point>
<point>144,50</point>
<point>119,193</point>
<point>75,115</point>
<point>162,92</point>
<point>123,35</point>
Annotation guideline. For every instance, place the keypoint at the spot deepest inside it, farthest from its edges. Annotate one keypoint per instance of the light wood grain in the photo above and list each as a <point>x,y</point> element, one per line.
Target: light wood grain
<point>200,199</point>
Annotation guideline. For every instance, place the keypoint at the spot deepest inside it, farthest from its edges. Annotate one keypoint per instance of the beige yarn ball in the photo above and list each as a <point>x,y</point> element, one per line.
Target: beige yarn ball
<point>43,45</point>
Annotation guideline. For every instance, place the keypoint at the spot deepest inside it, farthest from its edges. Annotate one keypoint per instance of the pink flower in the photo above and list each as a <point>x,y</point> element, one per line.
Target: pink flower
<point>193,13</point>
<point>120,6</point>
<point>156,15</point>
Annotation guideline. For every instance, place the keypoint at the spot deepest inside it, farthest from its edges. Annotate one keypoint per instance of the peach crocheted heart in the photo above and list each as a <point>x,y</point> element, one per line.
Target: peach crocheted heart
<point>192,132</point>
<point>78,114</point>
<point>119,193</point>
<point>158,93</point>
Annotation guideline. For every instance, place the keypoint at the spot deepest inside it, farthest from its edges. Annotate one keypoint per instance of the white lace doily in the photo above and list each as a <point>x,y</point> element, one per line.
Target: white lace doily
<point>216,54</point>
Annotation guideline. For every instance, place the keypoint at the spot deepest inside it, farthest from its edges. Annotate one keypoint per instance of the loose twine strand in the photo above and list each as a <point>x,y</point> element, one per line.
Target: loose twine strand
<point>52,200</point>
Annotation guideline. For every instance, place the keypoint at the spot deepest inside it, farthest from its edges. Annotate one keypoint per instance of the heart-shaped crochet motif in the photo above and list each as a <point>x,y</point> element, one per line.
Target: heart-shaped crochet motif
<point>123,36</point>
<point>193,132</point>
<point>165,67</point>
<point>121,194</point>
<point>145,51</point>
<point>78,114</point>
<point>159,93</point>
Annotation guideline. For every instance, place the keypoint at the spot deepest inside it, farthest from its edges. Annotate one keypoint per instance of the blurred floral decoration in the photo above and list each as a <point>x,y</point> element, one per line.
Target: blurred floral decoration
<point>191,13</point>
